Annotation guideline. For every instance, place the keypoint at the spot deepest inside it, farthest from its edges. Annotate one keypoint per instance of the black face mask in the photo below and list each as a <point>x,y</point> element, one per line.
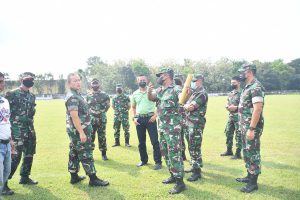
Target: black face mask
<point>119,90</point>
<point>242,77</point>
<point>28,83</point>
<point>233,87</point>
<point>177,82</point>
<point>142,84</point>
<point>95,88</point>
<point>160,80</point>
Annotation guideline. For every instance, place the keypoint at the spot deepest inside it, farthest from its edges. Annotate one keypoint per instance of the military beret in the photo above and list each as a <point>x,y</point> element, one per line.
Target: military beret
<point>247,66</point>
<point>119,85</point>
<point>165,70</point>
<point>198,77</point>
<point>27,75</point>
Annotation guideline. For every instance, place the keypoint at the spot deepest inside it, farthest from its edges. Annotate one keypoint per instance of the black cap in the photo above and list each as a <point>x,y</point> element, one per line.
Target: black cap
<point>198,77</point>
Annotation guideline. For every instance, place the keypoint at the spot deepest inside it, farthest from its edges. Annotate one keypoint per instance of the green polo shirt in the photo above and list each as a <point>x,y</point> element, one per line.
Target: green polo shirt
<point>142,103</point>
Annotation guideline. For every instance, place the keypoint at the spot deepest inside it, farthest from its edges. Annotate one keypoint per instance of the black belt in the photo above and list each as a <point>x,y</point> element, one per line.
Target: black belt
<point>146,115</point>
<point>4,141</point>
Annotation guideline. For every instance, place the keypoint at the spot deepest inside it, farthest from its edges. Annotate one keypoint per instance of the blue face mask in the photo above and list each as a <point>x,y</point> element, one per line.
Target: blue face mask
<point>193,85</point>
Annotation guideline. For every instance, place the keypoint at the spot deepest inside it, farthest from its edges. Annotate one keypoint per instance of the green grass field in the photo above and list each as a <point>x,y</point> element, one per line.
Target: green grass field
<point>280,178</point>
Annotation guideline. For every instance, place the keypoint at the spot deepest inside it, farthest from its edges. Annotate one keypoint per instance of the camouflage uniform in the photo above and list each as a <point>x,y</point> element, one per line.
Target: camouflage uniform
<point>22,105</point>
<point>170,128</point>
<point>121,116</point>
<point>196,123</point>
<point>252,93</point>
<point>233,121</point>
<point>79,151</point>
<point>99,104</point>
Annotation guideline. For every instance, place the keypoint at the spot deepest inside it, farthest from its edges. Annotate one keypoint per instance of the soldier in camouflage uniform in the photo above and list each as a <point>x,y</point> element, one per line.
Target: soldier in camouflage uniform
<point>121,106</point>
<point>196,109</point>
<point>251,125</point>
<point>233,120</point>
<point>22,105</point>
<point>99,103</point>
<point>79,129</point>
<point>178,80</point>
<point>167,103</point>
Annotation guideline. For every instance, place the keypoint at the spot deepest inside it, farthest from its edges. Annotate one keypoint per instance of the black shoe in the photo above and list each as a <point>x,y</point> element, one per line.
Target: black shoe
<point>245,179</point>
<point>6,190</point>
<point>127,142</point>
<point>28,181</point>
<point>104,157</point>
<point>228,152</point>
<point>117,142</point>
<point>141,164</point>
<point>179,186</point>
<point>98,182</point>
<point>183,156</point>
<point>237,155</point>
<point>196,175</point>
<point>251,185</point>
<point>75,178</point>
<point>188,170</point>
<point>157,166</point>
<point>169,180</point>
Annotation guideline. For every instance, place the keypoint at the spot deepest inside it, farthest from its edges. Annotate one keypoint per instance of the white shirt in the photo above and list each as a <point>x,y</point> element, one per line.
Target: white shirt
<point>5,131</point>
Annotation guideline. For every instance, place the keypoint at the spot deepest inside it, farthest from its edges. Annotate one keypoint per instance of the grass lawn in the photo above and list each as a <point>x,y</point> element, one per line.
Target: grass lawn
<point>280,142</point>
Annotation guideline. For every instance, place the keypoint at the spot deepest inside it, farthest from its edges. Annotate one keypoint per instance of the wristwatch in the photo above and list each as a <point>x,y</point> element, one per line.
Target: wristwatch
<point>251,128</point>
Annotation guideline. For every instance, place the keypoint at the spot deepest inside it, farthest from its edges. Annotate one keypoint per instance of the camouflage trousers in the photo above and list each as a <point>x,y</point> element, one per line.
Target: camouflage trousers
<point>81,152</point>
<point>251,151</point>
<point>121,119</point>
<point>184,135</point>
<point>195,135</point>
<point>231,127</point>
<point>171,148</point>
<point>99,126</point>
<point>24,137</point>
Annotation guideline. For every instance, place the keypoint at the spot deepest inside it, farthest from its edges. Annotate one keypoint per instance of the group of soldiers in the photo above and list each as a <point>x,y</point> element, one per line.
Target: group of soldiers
<point>87,117</point>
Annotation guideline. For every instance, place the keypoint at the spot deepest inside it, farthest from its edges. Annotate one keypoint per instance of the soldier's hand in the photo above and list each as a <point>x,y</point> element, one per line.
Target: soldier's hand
<point>152,119</point>
<point>150,87</point>
<point>83,138</point>
<point>13,147</point>
<point>250,134</point>
<point>135,121</point>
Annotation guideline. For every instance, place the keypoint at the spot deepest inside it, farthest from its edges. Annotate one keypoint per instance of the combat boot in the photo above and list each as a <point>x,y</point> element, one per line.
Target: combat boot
<point>6,190</point>
<point>228,152</point>
<point>127,142</point>
<point>183,156</point>
<point>27,181</point>
<point>195,175</point>
<point>251,185</point>
<point>245,179</point>
<point>75,178</point>
<point>169,180</point>
<point>104,157</point>
<point>237,154</point>
<point>95,181</point>
<point>117,142</point>
<point>179,186</point>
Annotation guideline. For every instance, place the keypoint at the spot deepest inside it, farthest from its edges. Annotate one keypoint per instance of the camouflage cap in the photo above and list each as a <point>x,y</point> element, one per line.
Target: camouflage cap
<point>198,77</point>
<point>119,85</point>
<point>178,76</point>
<point>27,75</point>
<point>247,66</point>
<point>94,81</point>
<point>165,70</point>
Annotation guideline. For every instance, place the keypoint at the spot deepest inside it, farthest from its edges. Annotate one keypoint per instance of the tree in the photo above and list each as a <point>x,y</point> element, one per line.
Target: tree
<point>61,84</point>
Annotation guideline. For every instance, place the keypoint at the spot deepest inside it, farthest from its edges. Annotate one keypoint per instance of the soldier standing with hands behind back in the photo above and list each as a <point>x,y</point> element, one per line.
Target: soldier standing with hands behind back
<point>121,105</point>
<point>99,103</point>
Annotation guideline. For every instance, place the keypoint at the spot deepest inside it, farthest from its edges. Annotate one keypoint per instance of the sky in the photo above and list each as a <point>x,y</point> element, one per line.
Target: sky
<point>58,36</point>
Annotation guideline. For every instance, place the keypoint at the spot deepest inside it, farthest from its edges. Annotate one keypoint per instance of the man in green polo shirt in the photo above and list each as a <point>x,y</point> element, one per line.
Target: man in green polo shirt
<point>144,118</point>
